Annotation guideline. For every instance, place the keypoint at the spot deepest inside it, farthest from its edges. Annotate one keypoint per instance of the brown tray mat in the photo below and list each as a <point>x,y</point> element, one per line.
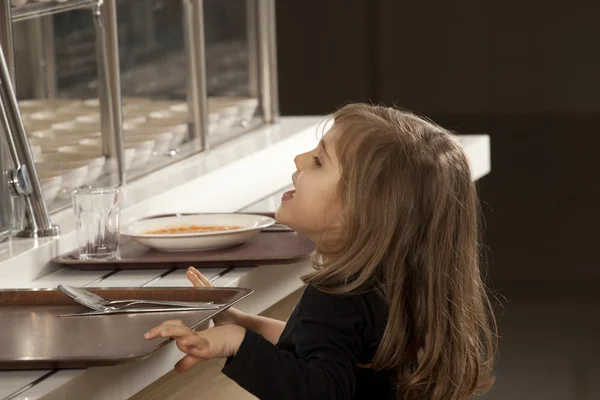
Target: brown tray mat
<point>34,337</point>
<point>263,249</point>
<point>266,248</point>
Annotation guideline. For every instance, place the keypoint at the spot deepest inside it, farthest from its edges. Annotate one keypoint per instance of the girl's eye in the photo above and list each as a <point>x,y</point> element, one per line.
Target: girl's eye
<point>316,161</point>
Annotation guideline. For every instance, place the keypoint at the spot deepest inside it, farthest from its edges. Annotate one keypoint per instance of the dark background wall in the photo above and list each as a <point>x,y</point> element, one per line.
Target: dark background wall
<point>528,74</point>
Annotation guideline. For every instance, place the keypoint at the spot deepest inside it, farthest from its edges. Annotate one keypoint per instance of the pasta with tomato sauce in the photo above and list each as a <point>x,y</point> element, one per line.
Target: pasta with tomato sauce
<point>191,229</point>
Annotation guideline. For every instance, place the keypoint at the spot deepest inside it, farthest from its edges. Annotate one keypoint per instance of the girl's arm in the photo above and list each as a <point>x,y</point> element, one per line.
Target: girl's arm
<point>319,363</point>
<point>269,328</point>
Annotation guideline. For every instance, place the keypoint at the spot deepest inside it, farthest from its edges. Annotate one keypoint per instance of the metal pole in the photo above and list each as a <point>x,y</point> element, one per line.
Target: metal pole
<point>24,178</point>
<point>41,51</point>
<point>196,58</point>
<point>35,50</point>
<point>5,42</point>
<point>107,48</point>
<point>105,125</point>
<point>6,38</point>
<point>188,45</point>
<point>268,60</point>
<point>252,41</point>
<point>40,35</point>
<point>49,56</point>
<point>5,197</point>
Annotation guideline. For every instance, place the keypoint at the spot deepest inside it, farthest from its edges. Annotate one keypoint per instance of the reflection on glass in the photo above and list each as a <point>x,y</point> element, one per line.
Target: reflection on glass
<point>60,121</point>
<point>231,68</point>
<point>64,129</point>
<point>154,83</point>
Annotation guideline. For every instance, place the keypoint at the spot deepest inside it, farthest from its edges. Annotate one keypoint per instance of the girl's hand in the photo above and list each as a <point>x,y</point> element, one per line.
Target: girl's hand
<point>198,280</point>
<point>223,341</point>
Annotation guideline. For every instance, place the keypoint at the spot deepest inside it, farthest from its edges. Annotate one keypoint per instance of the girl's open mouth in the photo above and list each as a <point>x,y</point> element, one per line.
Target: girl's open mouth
<point>288,195</point>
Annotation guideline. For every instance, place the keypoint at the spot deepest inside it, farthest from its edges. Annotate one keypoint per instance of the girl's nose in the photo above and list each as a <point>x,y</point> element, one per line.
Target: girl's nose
<point>301,160</point>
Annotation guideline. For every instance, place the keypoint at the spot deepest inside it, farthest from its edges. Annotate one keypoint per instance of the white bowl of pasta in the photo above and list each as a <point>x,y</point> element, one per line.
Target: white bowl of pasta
<point>197,232</point>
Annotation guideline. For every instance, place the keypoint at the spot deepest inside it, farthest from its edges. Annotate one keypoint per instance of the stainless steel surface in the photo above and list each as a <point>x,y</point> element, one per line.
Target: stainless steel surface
<point>18,181</point>
<point>9,205</point>
<point>95,302</point>
<point>29,233</point>
<point>196,59</point>
<point>107,48</point>
<point>268,60</point>
<point>38,219</point>
<point>46,342</point>
<point>6,37</point>
<point>100,42</point>
<point>35,10</point>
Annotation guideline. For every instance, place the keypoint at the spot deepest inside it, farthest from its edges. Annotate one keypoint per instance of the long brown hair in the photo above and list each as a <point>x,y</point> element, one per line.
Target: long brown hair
<point>410,226</point>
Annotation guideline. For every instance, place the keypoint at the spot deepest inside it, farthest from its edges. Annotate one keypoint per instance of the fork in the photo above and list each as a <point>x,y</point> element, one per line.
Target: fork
<point>108,307</point>
<point>96,302</point>
<point>161,303</point>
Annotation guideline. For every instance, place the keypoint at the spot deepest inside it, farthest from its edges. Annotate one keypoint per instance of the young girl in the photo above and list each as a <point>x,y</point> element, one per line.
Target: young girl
<point>396,307</point>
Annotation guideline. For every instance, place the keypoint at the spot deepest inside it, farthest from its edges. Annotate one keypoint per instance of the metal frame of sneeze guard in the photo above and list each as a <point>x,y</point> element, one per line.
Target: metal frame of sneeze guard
<point>267,54</point>
<point>24,180</point>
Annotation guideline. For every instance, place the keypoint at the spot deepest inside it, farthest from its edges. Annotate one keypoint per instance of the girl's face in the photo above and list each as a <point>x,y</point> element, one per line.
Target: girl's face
<point>313,208</point>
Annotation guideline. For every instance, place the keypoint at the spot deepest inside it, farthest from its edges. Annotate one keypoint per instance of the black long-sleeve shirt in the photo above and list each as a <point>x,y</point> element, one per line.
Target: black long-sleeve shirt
<point>318,353</point>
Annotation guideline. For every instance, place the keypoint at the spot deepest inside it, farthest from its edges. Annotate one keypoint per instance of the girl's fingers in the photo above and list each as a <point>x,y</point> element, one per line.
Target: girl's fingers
<point>205,280</point>
<point>196,277</point>
<point>173,329</point>
<point>196,282</point>
<point>196,346</point>
<point>194,271</point>
<point>186,363</point>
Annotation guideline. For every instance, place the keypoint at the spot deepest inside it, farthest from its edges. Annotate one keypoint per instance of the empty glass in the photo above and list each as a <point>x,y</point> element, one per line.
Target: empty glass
<point>97,215</point>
